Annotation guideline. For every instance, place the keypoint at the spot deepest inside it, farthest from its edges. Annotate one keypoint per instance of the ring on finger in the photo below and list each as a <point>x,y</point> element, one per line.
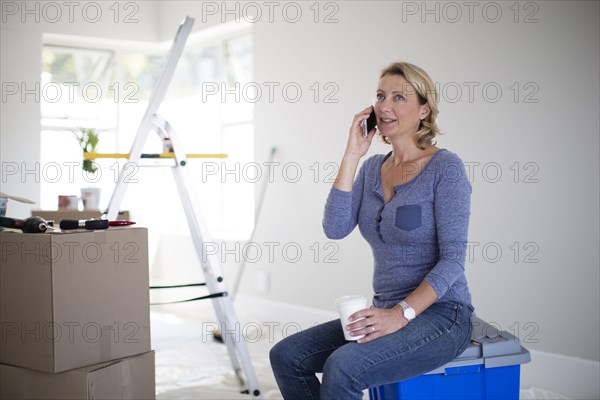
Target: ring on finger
<point>372,329</point>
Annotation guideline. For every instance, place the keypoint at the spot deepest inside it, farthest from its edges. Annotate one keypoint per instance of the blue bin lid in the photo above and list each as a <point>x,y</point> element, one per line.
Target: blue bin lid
<point>490,347</point>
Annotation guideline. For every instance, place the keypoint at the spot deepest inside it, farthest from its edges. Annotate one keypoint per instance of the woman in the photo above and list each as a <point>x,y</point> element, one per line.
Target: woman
<point>412,206</point>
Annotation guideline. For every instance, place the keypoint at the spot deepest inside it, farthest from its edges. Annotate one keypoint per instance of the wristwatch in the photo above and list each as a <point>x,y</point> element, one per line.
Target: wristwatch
<point>409,312</point>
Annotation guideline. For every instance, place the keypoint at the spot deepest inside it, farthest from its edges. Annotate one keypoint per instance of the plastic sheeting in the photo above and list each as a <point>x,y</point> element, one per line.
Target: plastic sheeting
<point>191,364</point>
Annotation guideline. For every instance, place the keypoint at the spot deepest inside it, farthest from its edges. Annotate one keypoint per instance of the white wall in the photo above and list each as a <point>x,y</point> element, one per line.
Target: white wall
<point>557,217</point>
<point>20,122</point>
<point>553,304</point>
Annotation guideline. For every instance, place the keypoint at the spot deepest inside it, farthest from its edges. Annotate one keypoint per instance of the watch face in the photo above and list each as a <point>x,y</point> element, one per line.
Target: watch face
<point>409,313</point>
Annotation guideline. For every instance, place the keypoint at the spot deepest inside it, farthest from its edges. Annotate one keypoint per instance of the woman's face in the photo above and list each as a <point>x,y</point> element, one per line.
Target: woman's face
<point>397,107</point>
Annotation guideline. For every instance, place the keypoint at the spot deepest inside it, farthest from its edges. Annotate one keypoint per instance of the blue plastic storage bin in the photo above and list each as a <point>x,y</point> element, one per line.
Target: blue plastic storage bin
<point>488,369</point>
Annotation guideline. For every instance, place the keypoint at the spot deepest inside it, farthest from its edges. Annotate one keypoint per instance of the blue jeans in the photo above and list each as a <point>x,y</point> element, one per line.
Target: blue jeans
<point>435,337</point>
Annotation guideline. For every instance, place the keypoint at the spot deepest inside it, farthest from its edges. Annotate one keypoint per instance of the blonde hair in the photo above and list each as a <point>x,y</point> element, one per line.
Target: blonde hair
<point>426,94</point>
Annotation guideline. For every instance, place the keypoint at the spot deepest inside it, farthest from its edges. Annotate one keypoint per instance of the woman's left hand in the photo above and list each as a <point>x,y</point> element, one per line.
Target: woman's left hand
<point>376,322</point>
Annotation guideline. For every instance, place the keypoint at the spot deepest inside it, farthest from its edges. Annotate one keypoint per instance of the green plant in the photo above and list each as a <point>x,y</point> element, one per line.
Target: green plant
<point>88,140</point>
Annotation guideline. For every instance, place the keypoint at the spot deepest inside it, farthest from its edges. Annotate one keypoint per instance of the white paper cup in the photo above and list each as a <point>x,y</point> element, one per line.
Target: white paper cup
<point>348,305</point>
<point>90,198</point>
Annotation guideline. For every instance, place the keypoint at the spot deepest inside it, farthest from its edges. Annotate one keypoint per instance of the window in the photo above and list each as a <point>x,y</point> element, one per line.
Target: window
<point>108,87</point>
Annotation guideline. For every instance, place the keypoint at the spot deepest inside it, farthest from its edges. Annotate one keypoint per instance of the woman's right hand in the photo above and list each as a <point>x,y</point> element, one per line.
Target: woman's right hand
<point>358,145</point>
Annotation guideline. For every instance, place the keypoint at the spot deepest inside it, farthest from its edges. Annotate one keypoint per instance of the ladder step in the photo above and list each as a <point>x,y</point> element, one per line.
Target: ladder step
<point>93,156</point>
<point>210,296</point>
<point>178,286</point>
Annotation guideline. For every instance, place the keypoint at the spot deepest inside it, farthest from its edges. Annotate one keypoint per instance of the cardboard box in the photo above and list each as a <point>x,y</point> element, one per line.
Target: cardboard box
<point>73,299</point>
<point>489,368</point>
<point>59,215</point>
<point>126,378</point>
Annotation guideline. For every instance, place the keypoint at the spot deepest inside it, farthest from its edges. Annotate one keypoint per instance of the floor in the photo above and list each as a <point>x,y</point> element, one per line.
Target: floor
<point>191,364</point>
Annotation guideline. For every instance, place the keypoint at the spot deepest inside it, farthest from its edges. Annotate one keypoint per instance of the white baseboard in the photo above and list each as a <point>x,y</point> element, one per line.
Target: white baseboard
<point>571,377</point>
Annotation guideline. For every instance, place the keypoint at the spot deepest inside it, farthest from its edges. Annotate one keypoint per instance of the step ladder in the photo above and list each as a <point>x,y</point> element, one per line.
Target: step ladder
<point>211,268</point>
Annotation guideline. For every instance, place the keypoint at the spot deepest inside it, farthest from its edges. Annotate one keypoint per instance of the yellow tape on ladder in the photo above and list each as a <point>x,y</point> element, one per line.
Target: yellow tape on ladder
<point>93,156</point>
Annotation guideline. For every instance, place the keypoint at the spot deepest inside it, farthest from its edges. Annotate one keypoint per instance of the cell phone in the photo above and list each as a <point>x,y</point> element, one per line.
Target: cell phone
<point>369,124</point>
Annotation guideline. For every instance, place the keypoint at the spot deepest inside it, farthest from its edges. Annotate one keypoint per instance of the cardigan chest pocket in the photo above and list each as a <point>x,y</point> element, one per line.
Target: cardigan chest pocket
<point>408,217</point>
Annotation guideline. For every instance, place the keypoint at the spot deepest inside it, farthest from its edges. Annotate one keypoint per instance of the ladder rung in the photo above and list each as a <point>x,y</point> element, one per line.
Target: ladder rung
<point>210,296</point>
<point>93,156</point>
<point>178,286</point>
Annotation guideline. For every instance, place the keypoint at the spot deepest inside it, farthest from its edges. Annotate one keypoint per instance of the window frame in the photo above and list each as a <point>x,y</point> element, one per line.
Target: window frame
<point>217,36</point>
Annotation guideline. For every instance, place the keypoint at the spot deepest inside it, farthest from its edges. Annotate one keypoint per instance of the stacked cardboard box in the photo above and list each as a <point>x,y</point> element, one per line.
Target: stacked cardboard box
<point>74,315</point>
